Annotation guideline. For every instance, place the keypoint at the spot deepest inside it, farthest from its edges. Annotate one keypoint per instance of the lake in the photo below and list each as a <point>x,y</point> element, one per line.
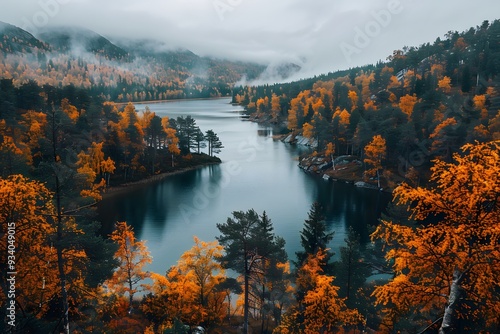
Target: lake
<point>257,172</point>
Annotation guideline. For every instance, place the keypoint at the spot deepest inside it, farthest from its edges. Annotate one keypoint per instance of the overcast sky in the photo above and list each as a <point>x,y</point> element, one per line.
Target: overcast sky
<point>319,35</point>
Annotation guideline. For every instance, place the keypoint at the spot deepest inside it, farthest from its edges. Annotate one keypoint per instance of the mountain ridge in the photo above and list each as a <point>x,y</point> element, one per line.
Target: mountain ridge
<point>65,44</point>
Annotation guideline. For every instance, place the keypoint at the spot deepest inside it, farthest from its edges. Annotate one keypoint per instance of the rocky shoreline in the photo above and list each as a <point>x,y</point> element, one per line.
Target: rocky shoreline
<point>344,168</point>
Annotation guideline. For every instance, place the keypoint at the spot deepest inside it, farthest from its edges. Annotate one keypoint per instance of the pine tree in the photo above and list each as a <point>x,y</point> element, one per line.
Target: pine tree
<point>314,235</point>
<point>200,140</point>
<point>249,243</point>
<point>351,270</point>
<point>214,143</point>
<point>466,80</point>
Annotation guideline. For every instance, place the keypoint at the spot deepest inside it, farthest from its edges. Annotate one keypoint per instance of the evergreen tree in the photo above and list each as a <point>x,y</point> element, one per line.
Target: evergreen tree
<point>314,235</point>
<point>249,243</point>
<point>466,80</point>
<point>351,270</point>
<point>186,132</point>
<point>237,240</point>
<point>214,143</point>
<point>272,249</point>
<point>200,140</point>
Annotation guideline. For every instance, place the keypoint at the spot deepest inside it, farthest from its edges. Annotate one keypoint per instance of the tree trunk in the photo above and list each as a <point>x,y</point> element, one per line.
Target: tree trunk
<point>447,326</point>
<point>60,262</point>
<point>262,301</point>
<point>59,250</point>
<point>130,295</point>
<point>154,160</point>
<point>349,265</point>
<point>245,306</point>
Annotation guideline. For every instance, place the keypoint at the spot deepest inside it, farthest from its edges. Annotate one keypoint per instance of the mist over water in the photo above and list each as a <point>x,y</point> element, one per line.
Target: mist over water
<point>257,172</point>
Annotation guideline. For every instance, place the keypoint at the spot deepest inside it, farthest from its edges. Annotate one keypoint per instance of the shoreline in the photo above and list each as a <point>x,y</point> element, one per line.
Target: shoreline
<point>120,189</point>
<point>120,104</point>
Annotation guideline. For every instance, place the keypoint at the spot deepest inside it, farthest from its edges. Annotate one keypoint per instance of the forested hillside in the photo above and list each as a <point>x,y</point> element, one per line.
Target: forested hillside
<point>422,103</point>
<point>427,121</point>
<point>126,71</point>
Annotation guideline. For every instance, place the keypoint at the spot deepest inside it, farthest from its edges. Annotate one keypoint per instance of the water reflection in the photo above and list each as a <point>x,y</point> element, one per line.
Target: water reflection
<point>264,132</point>
<point>168,213</point>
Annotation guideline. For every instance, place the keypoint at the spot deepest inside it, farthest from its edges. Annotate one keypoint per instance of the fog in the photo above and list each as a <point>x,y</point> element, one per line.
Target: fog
<point>320,36</point>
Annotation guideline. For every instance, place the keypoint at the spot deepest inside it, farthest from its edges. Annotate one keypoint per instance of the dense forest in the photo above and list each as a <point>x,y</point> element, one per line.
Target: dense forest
<point>422,103</point>
<point>129,70</point>
<point>427,120</point>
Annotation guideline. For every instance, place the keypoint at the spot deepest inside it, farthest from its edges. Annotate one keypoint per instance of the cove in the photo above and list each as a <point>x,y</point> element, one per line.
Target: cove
<point>256,172</point>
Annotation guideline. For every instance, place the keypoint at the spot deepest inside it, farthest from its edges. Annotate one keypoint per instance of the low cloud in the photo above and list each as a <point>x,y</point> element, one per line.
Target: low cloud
<point>309,33</point>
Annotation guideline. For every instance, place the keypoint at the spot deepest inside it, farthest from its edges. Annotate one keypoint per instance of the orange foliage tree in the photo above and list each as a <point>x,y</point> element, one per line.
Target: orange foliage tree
<point>448,265</point>
<point>189,292</point>
<point>28,221</point>
<point>480,104</point>
<point>320,309</point>
<point>407,103</point>
<point>275,107</point>
<point>444,138</point>
<point>375,152</point>
<point>353,97</point>
<point>308,130</point>
<point>25,207</point>
<point>200,260</point>
<point>132,255</point>
<point>445,84</point>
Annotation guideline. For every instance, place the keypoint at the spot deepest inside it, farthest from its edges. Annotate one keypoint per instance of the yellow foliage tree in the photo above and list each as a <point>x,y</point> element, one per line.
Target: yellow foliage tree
<point>450,266</point>
<point>92,164</point>
<point>28,236</point>
<point>370,105</point>
<point>189,291</point>
<point>319,305</point>
<point>171,139</point>
<point>375,152</point>
<point>393,83</point>
<point>132,255</point>
<point>182,293</point>
<point>207,273</point>
<point>445,84</point>
<point>275,107</point>
<point>494,127</point>
<point>443,138</point>
<point>324,311</point>
<point>35,123</point>
<point>70,110</point>
<point>353,97</point>
<point>344,117</point>
<point>308,130</point>
<point>330,151</point>
<point>407,103</point>
<point>292,119</point>
<point>25,207</point>
<point>480,104</point>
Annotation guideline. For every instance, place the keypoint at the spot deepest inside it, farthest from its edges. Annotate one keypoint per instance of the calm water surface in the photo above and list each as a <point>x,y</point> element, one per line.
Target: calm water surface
<point>257,172</point>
